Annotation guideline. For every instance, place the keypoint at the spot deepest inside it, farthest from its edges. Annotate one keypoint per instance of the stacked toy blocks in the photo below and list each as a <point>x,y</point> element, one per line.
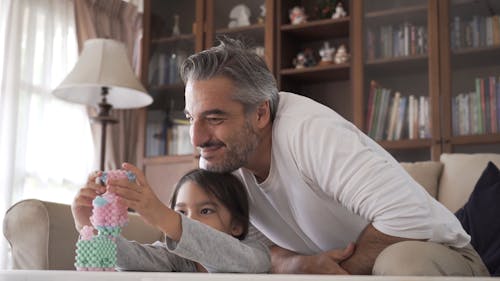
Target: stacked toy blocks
<point>109,215</point>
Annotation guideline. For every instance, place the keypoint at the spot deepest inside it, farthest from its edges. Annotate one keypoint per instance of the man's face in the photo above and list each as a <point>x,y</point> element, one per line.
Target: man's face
<point>224,135</point>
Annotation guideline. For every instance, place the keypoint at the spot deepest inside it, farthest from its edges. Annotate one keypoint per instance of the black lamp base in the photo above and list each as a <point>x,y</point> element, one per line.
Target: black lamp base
<point>104,117</point>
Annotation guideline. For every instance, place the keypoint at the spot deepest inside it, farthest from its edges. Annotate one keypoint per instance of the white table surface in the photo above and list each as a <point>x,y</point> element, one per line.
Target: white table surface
<point>62,275</point>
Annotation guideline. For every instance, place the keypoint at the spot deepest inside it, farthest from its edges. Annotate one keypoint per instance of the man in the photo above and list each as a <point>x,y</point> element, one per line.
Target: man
<point>315,181</point>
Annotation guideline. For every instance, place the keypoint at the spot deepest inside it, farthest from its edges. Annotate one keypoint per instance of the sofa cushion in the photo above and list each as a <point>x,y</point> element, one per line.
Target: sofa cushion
<point>460,173</point>
<point>479,217</point>
<point>426,173</point>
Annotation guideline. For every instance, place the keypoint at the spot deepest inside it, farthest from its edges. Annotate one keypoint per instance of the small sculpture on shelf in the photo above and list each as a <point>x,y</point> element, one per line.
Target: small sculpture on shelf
<point>262,16</point>
<point>176,30</point>
<point>239,16</point>
<point>341,56</point>
<point>300,60</point>
<point>304,59</point>
<point>259,50</point>
<point>326,53</point>
<point>297,15</point>
<point>339,11</point>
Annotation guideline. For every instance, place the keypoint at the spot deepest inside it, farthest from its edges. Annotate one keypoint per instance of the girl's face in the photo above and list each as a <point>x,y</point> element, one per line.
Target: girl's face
<point>196,204</point>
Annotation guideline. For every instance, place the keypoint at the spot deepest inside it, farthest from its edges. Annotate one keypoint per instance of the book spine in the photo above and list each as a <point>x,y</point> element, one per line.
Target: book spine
<point>492,102</point>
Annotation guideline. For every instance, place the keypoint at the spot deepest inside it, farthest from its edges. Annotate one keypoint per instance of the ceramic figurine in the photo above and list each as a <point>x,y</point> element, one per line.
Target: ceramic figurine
<point>341,56</point>
<point>339,11</point>
<point>297,15</point>
<point>300,60</point>
<point>326,53</point>
<point>262,15</point>
<point>310,59</point>
<point>240,16</point>
<point>176,30</point>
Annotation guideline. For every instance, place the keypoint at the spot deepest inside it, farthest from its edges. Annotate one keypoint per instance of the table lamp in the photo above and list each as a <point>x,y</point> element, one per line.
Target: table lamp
<point>103,77</point>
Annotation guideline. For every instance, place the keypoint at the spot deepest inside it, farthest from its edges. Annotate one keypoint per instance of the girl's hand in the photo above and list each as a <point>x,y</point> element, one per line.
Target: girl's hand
<point>139,196</point>
<point>81,207</point>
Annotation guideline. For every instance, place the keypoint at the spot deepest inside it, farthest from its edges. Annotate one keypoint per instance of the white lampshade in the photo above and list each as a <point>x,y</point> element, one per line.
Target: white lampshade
<point>103,63</point>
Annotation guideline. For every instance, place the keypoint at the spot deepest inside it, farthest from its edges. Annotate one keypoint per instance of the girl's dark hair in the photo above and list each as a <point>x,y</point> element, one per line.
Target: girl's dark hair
<point>226,187</point>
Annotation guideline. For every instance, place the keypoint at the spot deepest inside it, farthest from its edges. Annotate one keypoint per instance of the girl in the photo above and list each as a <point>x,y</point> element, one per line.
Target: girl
<point>204,227</point>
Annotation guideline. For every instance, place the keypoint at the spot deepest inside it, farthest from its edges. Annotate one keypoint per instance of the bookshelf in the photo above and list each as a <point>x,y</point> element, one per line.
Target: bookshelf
<point>409,47</point>
<point>469,75</point>
<point>325,83</point>
<point>400,53</point>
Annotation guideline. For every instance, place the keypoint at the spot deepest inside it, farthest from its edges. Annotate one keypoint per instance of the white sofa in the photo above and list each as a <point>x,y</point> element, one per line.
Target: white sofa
<point>42,234</point>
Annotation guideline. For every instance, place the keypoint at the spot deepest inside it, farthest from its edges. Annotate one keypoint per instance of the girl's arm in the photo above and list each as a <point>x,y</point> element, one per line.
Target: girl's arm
<point>218,251</point>
<point>133,256</point>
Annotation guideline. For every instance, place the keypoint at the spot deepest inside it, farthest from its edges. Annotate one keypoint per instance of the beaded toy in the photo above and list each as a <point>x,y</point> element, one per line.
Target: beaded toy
<point>109,215</point>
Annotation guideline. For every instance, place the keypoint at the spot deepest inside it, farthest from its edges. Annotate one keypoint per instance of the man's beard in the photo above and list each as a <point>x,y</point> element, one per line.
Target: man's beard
<point>238,150</point>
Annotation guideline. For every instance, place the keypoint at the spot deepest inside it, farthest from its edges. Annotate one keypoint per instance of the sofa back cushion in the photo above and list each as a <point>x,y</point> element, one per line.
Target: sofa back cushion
<point>426,173</point>
<point>459,176</point>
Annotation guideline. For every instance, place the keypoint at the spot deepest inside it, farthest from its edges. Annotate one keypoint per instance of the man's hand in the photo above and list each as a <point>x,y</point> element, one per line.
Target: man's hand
<point>139,196</point>
<point>285,261</point>
<point>81,208</point>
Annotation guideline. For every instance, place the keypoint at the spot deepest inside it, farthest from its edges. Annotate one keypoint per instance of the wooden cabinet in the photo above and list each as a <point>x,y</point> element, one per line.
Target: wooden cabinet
<point>470,83</point>
<point>399,74</point>
<point>326,82</point>
<point>171,33</point>
<point>427,51</point>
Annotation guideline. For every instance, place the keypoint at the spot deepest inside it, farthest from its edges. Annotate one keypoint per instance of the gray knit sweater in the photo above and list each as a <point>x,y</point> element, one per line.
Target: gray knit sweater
<point>216,251</point>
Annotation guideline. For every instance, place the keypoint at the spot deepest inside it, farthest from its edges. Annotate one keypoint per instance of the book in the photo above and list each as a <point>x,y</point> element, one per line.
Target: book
<point>391,125</point>
<point>370,107</point>
<point>492,105</point>
<point>401,118</point>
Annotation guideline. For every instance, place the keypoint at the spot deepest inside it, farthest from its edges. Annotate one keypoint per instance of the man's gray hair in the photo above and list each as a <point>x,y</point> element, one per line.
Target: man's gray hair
<point>232,59</point>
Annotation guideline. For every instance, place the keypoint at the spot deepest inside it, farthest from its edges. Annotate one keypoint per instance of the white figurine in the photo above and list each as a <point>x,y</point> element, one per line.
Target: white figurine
<point>262,15</point>
<point>240,16</point>
<point>339,11</point>
<point>300,60</point>
<point>326,53</point>
<point>341,56</point>
<point>297,15</point>
<point>259,50</point>
<point>176,30</point>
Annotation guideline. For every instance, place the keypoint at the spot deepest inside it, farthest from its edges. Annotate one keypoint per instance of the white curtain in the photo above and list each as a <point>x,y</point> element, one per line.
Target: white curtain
<point>46,148</point>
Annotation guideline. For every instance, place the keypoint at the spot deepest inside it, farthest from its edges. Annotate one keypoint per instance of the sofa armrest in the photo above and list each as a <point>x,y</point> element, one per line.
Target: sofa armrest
<point>42,234</point>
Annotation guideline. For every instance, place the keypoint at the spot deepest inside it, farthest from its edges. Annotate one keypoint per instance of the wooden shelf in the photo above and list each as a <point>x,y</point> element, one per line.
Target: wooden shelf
<point>173,39</point>
<point>242,29</point>
<point>333,72</point>
<point>406,144</point>
<point>475,139</point>
<point>397,65</point>
<point>397,11</point>
<point>477,56</point>
<point>319,29</point>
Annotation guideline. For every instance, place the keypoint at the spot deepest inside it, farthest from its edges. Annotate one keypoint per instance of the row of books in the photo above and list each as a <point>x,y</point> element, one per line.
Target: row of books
<point>477,112</point>
<point>167,137</point>
<point>477,31</point>
<point>389,41</point>
<point>394,116</point>
<point>164,68</point>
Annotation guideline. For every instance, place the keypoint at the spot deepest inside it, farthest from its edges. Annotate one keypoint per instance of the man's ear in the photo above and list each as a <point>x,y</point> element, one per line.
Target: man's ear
<point>263,114</point>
